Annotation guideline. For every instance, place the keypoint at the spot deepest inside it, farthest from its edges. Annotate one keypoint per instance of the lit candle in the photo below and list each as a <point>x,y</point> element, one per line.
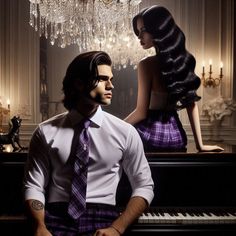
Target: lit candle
<point>203,67</point>
<point>210,63</point>
<point>8,104</point>
<point>221,69</point>
<point>8,149</point>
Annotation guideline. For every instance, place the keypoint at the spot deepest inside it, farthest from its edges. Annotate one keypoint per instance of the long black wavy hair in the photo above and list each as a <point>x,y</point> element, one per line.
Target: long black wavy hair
<point>84,69</point>
<point>176,63</point>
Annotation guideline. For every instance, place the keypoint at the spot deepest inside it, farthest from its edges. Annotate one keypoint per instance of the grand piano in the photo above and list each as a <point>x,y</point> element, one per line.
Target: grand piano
<point>194,193</point>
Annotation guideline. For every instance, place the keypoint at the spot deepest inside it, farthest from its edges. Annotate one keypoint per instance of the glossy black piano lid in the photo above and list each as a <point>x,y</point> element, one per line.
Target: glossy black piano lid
<point>190,179</point>
<point>181,179</point>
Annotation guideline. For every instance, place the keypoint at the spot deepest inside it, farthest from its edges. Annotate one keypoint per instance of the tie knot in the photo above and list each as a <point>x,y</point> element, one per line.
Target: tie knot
<point>85,123</point>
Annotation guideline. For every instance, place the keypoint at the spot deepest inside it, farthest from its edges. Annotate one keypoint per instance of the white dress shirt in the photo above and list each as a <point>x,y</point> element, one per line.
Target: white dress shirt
<point>114,144</point>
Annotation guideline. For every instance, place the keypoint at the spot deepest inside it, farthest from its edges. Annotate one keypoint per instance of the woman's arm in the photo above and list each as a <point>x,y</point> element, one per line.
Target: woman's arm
<point>144,92</point>
<point>194,119</point>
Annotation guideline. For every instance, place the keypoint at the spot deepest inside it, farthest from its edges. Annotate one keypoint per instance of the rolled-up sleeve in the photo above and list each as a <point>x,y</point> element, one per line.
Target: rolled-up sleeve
<point>36,169</point>
<point>137,168</point>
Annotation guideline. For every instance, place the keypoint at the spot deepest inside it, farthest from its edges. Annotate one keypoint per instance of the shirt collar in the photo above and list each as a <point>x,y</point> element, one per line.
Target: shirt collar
<point>96,119</point>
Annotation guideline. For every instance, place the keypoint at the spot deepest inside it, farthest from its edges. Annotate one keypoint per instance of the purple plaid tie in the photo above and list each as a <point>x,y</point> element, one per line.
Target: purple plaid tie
<point>77,202</point>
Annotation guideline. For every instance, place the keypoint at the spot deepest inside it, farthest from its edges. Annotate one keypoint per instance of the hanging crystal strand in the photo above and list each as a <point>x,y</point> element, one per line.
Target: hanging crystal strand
<point>59,41</point>
<point>79,45</point>
<point>61,34</point>
<point>36,22</point>
<point>63,44</point>
<point>46,28</point>
<point>42,21</point>
<point>68,38</point>
<point>52,39</point>
<point>55,31</point>
<point>31,21</point>
<point>62,40</point>
<point>83,41</point>
<point>33,15</point>
<point>65,40</point>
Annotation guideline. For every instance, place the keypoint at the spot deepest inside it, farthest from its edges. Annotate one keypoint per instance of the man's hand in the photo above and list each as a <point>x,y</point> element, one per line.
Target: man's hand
<point>42,231</point>
<point>133,210</point>
<point>111,231</point>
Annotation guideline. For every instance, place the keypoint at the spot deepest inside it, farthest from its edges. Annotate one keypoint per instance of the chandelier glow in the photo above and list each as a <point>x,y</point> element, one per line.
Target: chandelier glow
<point>92,25</point>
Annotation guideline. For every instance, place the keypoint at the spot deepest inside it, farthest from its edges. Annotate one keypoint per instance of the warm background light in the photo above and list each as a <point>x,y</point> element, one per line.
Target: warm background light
<point>8,104</point>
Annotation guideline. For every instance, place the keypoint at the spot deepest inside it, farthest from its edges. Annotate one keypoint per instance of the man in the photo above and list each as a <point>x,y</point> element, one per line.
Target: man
<point>113,146</point>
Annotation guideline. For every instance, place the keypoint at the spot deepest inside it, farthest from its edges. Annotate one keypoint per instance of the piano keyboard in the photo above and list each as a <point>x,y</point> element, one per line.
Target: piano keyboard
<point>188,217</point>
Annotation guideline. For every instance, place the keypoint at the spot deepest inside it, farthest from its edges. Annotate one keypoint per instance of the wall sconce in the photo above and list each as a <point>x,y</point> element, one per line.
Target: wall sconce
<point>210,81</point>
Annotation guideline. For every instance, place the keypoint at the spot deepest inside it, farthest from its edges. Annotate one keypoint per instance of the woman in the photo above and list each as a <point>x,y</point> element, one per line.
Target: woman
<point>166,83</point>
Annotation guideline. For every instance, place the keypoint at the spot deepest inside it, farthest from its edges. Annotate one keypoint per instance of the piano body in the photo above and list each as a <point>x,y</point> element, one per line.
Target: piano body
<point>194,193</point>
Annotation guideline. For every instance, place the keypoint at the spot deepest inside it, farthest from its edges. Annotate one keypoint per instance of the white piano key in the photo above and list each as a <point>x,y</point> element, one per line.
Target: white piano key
<point>151,218</point>
<point>143,219</point>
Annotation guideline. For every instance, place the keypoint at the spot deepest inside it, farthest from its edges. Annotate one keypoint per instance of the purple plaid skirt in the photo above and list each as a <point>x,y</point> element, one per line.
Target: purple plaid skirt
<point>162,131</point>
<point>96,216</point>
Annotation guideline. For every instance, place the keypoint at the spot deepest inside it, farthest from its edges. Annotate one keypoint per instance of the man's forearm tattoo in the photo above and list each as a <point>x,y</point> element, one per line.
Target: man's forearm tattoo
<point>37,205</point>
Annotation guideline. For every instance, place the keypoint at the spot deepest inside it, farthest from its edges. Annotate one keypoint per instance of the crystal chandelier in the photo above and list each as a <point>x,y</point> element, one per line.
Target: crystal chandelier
<point>92,25</point>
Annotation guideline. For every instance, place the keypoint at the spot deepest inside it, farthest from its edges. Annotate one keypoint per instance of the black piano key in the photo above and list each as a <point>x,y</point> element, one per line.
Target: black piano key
<point>232,213</point>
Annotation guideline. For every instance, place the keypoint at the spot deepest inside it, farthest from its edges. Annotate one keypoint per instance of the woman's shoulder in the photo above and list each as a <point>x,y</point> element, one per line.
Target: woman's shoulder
<point>149,64</point>
<point>148,60</point>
